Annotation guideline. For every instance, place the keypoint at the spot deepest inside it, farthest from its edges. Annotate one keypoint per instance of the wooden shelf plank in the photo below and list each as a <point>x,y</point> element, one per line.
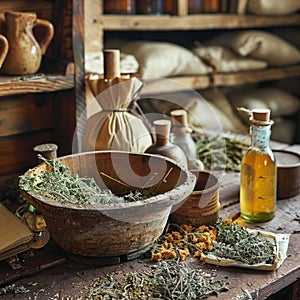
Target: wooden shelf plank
<point>43,8</point>
<point>40,83</point>
<point>219,80</point>
<point>193,22</point>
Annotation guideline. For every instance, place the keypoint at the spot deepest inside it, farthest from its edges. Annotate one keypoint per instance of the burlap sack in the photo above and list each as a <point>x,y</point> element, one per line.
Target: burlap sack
<point>260,45</point>
<point>225,60</point>
<point>273,7</point>
<point>161,59</point>
<point>203,115</point>
<point>94,63</point>
<point>280,102</point>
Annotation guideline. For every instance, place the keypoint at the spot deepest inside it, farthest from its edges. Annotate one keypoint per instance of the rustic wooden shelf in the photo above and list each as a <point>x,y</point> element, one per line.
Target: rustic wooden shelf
<point>39,83</point>
<point>51,81</point>
<point>193,22</point>
<point>218,80</point>
<point>43,8</point>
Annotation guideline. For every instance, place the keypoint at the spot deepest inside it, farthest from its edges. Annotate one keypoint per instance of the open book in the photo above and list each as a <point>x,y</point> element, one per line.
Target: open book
<point>15,236</point>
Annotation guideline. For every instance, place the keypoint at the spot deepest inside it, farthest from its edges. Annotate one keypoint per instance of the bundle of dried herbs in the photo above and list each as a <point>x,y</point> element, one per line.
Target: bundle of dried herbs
<point>222,152</point>
<point>224,239</point>
<point>61,185</point>
<point>237,243</point>
<point>166,280</point>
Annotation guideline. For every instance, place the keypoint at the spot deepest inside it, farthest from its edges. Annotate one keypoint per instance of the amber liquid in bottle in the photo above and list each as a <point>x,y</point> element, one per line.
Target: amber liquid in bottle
<point>258,178</point>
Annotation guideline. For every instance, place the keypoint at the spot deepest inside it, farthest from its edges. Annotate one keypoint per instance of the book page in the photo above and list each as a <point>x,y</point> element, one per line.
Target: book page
<point>13,232</point>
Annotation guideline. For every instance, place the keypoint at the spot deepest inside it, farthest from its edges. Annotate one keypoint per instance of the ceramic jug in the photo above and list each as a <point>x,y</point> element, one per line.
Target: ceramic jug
<point>25,50</point>
<point>3,48</point>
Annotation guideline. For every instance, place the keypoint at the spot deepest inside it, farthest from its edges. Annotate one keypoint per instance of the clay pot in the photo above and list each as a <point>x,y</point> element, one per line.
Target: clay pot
<point>25,52</point>
<point>162,145</point>
<point>202,206</point>
<point>3,48</point>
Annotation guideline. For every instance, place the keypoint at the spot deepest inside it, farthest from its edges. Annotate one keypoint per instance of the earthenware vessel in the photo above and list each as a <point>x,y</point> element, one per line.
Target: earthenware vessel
<point>3,48</point>
<point>25,50</point>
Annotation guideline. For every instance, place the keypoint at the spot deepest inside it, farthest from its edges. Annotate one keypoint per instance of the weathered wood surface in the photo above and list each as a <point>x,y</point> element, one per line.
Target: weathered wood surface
<point>71,278</point>
<point>78,36</point>
<point>194,22</point>
<point>35,84</point>
<point>154,86</point>
<point>43,8</point>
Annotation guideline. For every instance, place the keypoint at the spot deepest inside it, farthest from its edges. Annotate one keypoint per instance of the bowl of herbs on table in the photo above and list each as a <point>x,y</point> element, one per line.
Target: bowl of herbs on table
<point>106,203</point>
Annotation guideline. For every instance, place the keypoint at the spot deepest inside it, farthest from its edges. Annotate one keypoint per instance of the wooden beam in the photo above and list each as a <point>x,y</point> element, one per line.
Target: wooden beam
<point>78,52</point>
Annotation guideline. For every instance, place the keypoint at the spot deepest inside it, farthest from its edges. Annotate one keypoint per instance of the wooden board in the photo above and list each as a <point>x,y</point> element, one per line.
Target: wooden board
<point>43,8</point>
<point>180,83</point>
<point>25,114</point>
<point>16,151</point>
<point>193,22</point>
<point>35,84</point>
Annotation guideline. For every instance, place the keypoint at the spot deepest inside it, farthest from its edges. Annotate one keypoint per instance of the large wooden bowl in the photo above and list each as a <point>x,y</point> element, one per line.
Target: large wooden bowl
<point>116,229</point>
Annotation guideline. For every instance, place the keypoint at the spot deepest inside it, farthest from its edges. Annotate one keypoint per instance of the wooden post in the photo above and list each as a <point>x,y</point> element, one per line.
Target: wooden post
<point>78,50</point>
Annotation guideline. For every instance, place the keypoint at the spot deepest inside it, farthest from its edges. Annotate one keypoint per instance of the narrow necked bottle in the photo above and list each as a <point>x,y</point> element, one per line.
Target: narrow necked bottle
<point>180,136</point>
<point>163,146</point>
<point>258,171</point>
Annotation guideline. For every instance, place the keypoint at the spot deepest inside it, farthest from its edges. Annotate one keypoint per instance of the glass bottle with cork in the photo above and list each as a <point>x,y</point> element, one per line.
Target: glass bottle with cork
<point>258,171</point>
<point>180,136</point>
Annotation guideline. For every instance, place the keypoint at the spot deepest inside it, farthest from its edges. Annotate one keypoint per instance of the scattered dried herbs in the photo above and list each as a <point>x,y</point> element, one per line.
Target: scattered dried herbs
<point>180,241</point>
<point>63,186</point>
<point>13,289</point>
<point>222,152</point>
<point>224,239</point>
<point>166,280</point>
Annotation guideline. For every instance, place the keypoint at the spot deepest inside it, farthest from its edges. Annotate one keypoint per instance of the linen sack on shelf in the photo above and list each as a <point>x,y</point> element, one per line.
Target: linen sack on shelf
<point>273,7</point>
<point>260,45</point>
<point>120,125</point>
<point>162,59</point>
<point>281,103</point>
<point>203,116</point>
<point>225,60</point>
<point>94,63</point>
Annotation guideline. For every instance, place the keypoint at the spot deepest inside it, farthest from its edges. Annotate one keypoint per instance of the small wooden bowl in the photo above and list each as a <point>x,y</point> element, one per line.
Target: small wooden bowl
<point>116,229</point>
<point>202,206</point>
<point>288,173</point>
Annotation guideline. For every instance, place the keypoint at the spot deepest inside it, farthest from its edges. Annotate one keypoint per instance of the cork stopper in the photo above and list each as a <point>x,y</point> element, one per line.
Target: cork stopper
<point>111,60</point>
<point>260,116</point>
<point>48,151</point>
<point>179,117</point>
<point>179,121</point>
<point>162,128</point>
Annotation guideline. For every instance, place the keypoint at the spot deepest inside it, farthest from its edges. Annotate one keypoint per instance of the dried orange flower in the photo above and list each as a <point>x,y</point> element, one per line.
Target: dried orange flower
<point>156,256</point>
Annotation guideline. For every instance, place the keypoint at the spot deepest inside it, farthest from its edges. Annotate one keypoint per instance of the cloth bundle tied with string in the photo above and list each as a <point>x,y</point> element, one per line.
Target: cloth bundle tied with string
<point>120,125</point>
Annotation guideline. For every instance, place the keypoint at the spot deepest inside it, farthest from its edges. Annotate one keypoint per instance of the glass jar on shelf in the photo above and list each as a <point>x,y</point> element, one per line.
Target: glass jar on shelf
<point>119,7</point>
<point>150,7</point>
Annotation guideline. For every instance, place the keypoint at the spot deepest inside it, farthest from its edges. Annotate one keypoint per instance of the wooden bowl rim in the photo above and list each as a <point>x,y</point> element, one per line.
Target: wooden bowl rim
<point>214,187</point>
<point>170,195</point>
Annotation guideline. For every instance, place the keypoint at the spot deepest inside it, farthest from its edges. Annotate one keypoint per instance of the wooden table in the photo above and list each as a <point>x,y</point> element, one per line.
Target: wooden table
<point>52,274</point>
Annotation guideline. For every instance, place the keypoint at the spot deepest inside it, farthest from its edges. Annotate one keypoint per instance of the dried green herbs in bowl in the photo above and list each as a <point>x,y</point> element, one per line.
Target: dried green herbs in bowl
<point>91,200</point>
